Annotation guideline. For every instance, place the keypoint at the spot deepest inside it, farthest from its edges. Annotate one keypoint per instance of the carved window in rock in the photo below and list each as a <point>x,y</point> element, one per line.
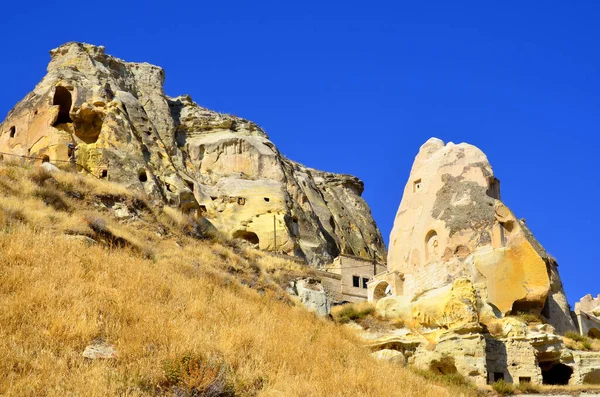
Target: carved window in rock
<point>417,185</point>
<point>493,188</point>
<point>13,131</point>
<point>501,232</point>
<point>432,243</point>
<point>295,226</point>
<point>506,228</point>
<point>356,281</point>
<point>142,176</point>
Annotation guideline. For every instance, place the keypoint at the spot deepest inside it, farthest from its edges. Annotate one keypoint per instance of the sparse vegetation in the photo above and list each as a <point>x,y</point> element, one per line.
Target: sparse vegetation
<point>503,388</point>
<point>197,317</point>
<point>529,388</point>
<point>193,375</point>
<point>575,341</point>
<point>529,318</point>
<point>365,315</point>
<point>352,312</point>
<point>575,336</point>
<point>454,380</point>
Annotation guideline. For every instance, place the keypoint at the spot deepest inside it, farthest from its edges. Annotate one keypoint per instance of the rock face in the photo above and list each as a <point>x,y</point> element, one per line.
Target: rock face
<point>312,295</point>
<point>112,119</point>
<point>451,224</point>
<point>477,292</point>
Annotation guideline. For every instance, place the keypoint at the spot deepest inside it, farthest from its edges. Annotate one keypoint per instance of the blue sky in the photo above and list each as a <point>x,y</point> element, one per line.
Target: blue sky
<point>357,87</point>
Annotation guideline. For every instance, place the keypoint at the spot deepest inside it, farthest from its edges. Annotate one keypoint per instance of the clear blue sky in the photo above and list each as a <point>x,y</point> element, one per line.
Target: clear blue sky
<point>357,87</point>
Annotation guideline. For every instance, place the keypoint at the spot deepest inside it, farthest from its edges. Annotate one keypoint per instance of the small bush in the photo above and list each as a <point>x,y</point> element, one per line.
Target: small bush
<point>575,336</point>
<point>454,379</point>
<point>587,345</point>
<point>53,198</point>
<point>192,375</point>
<point>529,318</point>
<point>352,312</point>
<point>502,387</point>
<point>39,176</point>
<point>528,388</point>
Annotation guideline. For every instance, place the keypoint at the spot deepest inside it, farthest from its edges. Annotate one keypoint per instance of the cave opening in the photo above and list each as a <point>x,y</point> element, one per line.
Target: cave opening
<point>142,176</point>
<point>62,99</point>
<point>556,374</point>
<point>250,237</point>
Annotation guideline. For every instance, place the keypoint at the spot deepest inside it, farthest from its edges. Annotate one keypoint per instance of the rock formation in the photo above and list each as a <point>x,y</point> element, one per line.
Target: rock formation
<point>311,294</point>
<point>452,225</point>
<point>112,119</point>
<point>479,295</point>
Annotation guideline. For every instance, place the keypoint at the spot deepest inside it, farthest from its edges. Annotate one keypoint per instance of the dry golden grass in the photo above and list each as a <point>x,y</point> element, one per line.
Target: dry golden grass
<point>182,321</point>
<point>575,341</point>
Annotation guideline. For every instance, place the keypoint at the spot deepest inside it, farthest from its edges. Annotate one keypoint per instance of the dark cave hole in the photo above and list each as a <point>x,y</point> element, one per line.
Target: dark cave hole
<point>62,98</point>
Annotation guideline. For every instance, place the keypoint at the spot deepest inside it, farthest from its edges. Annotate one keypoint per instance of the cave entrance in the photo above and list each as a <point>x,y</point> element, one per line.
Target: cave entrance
<point>62,99</point>
<point>526,307</point>
<point>556,374</point>
<point>250,237</point>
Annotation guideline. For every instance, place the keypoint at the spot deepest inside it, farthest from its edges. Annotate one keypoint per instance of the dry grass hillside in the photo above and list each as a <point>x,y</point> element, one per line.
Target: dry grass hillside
<point>188,316</point>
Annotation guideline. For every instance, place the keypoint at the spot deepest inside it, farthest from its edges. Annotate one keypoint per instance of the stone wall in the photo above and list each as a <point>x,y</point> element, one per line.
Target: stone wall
<point>512,360</point>
<point>355,270</point>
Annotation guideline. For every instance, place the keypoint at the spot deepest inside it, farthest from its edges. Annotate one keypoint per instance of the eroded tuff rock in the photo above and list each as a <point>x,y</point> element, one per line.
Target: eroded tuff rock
<point>476,291</point>
<point>123,127</point>
<point>312,295</point>
<point>452,225</point>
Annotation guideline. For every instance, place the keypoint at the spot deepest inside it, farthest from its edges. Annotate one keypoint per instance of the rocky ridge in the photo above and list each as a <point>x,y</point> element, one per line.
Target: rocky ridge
<point>112,119</point>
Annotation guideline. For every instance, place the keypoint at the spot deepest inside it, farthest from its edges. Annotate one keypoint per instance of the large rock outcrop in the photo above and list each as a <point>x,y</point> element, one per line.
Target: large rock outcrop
<point>113,119</point>
<point>452,225</point>
<point>476,291</point>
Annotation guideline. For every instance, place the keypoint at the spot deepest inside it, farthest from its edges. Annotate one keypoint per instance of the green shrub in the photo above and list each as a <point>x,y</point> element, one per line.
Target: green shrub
<point>194,375</point>
<point>575,336</point>
<point>502,387</point>
<point>528,388</point>
<point>352,312</point>
<point>452,379</point>
<point>529,318</point>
